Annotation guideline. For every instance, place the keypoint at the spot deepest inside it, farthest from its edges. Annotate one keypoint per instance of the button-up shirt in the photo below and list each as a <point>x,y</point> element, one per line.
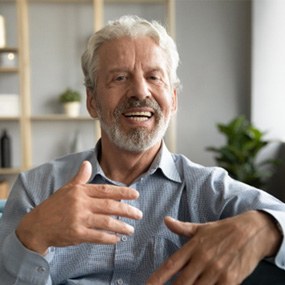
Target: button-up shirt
<point>172,186</point>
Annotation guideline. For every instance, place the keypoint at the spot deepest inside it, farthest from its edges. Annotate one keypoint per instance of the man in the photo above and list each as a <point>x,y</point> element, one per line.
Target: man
<point>134,213</point>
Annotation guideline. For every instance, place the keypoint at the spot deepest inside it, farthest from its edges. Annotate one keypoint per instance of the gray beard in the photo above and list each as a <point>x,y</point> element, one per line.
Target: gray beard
<point>137,139</point>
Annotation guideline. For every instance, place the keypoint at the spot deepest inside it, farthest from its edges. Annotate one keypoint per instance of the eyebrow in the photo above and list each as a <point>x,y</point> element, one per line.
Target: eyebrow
<point>156,69</point>
<point>118,69</point>
<point>125,69</point>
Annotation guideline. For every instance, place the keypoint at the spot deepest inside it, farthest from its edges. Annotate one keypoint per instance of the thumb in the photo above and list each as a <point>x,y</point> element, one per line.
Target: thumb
<point>84,173</point>
<point>181,228</point>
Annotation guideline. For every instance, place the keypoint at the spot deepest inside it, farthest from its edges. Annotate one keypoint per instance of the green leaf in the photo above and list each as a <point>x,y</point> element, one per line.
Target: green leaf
<point>238,155</point>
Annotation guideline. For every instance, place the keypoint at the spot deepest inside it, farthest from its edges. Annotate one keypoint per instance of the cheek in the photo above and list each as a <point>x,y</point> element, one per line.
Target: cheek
<point>107,109</point>
<point>167,103</point>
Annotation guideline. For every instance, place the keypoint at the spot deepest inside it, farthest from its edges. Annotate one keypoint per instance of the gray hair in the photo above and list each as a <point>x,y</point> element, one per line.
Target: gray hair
<point>130,26</point>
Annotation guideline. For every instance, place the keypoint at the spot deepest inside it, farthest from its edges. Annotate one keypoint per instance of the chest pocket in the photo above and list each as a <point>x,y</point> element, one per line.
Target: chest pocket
<point>153,252</point>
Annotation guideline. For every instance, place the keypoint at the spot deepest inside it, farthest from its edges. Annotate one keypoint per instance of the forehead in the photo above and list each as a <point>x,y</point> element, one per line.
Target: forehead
<point>131,51</point>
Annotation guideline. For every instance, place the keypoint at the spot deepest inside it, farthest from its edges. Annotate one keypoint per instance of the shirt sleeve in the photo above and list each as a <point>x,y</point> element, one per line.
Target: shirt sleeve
<point>22,266</point>
<point>18,265</point>
<point>238,197</point>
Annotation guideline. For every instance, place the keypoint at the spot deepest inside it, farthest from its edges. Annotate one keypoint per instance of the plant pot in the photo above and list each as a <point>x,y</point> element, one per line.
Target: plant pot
<point>71,109</point>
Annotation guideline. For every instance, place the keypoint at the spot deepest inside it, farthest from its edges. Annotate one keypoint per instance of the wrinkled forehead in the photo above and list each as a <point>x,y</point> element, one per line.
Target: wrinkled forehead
<point>129,51</point>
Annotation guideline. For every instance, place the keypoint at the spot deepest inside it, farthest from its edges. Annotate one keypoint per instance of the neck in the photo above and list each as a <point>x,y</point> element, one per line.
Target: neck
<point>125,166</point>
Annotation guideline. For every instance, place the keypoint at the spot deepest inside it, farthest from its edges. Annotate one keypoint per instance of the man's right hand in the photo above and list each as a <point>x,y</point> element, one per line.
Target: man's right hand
<point>79,212</point>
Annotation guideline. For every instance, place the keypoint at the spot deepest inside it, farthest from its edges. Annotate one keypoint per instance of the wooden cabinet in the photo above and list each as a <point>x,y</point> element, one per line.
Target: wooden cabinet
<point>16,80</point>
<point>44,27</point>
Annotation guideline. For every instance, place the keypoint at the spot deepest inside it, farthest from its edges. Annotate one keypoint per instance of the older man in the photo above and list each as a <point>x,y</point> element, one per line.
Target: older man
<point>129,211</point>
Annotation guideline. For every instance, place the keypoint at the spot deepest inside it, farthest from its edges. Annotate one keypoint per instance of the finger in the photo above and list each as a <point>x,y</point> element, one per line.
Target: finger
<point>181,228</point>
<point>115,208</point>
<point>111,192</point>
<point>100,237</point>
<point>84,173</point>
<point>171,266</point>
<point>191,274</point>
<point>109,224</point>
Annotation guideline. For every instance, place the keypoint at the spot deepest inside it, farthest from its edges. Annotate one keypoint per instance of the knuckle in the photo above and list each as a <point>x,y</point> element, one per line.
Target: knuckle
<point>104,238</point>
<point>107,222</point>
<point>104,188</point>
<point>182,280</point>
<point>206,257</point>
<point>107,204</point>
<point>100,237</point>
<point>170,264</point>
<point>218,266</point>
<point>126,209</point>
<point>76,232</point>
<point>73,194</point>
<point>228,277</point>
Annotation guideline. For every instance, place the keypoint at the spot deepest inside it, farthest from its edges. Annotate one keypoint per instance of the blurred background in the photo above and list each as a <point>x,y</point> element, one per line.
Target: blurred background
<point>232,63</point>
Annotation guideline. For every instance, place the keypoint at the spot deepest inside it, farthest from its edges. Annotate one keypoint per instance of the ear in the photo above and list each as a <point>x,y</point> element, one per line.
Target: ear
<point>174,101</point>
<point>91,103</point>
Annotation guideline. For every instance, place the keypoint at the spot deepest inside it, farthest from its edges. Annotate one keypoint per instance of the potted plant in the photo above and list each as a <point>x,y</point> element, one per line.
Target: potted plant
<point>71,101</point>
<point>238,156</point>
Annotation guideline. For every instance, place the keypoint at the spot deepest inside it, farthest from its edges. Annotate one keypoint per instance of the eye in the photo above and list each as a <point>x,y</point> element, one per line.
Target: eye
<point>154,77</point>
<point>120,77</point>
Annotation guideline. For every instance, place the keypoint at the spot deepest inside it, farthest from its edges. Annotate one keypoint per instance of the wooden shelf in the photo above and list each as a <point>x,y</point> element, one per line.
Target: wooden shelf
<point>9,49</point>
<point>10,171</point>
<point>9,118</point>
<point>59,117</point>
<point>26,119</point>
<point>106,1</point>
<point>9,69</point>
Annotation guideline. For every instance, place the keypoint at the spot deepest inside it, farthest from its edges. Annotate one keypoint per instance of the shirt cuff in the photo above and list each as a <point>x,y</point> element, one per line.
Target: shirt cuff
<point>279,216</point>
<point>26,266</point>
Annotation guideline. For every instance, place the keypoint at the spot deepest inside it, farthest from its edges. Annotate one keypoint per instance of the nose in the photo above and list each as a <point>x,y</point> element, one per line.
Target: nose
<point>139,88</point>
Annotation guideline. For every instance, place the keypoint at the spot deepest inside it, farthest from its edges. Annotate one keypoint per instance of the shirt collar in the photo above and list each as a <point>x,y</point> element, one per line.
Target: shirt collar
<point>96,168</point>
<point>164,161</point>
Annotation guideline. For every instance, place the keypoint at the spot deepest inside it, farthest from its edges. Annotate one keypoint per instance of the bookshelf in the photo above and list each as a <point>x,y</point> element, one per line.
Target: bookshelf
<point>32,120</point>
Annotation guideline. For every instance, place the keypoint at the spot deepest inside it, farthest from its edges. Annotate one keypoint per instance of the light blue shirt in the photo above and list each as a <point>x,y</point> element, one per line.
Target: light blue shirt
<point>172,186</point>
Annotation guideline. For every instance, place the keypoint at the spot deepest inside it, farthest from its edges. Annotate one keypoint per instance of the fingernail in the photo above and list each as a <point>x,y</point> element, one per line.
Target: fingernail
<point>130,229</point>
<point>139,214</point>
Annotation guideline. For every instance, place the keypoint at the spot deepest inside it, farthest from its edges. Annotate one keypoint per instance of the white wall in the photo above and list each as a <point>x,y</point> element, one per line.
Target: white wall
<point>268,81</point>
<point>268,69</point>
<point>213,39</point>
<point>214,42</point>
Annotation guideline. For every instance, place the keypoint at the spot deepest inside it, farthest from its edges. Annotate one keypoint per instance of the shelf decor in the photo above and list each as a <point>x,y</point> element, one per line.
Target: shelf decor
<point>17,48</point>
<point>8,59</point>
<point>2,32</point>
<point>71,101</point>
<point>9,105</point>
<point>5,150</point>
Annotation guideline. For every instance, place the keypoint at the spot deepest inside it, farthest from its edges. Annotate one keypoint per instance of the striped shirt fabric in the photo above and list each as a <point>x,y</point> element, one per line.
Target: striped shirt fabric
<point>172,186</point>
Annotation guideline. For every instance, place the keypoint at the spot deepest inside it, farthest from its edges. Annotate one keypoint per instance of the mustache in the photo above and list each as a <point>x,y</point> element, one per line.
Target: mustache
<point>137,103</point>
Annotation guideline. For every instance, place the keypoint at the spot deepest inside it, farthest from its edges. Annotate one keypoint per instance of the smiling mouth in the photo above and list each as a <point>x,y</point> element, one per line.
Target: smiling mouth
<point>139,116</point>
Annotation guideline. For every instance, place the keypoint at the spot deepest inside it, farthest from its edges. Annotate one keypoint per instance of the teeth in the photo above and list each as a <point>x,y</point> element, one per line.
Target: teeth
<point>139,115</point>
<point>140,119</point>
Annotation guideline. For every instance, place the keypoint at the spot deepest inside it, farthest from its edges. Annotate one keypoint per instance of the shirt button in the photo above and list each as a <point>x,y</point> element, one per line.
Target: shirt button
<point>124,238</point>
<point>40,269</point>
<point>120,282</point>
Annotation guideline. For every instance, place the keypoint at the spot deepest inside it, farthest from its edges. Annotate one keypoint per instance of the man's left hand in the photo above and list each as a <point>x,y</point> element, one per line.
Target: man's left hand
<point>224,252</point>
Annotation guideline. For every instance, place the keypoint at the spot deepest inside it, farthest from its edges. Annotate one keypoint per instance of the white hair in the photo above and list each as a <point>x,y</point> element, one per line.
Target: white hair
<point>130,26</point>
